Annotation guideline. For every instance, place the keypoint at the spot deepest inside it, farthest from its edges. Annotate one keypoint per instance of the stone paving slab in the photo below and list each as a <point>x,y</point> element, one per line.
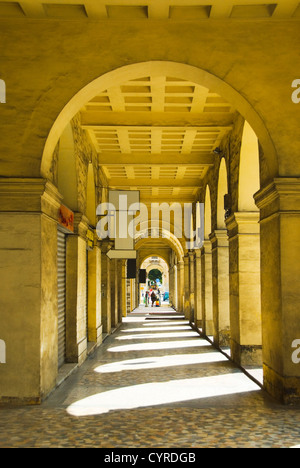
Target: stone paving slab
<point>158,392</point>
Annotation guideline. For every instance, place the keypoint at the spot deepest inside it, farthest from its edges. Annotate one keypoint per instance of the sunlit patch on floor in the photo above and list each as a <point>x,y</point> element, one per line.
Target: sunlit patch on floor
<point>155,394</point>
<point>161,362</point>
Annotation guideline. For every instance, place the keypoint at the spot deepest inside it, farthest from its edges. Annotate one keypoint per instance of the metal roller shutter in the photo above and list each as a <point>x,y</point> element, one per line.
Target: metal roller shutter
<point>61,286</point>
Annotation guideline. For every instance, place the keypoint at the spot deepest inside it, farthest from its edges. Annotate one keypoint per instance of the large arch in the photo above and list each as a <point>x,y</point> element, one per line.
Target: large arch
<point>249,182</point>
<point>157,68</point>
<point>222,191</point>
<point>164,236</point>
<point>207,213</point>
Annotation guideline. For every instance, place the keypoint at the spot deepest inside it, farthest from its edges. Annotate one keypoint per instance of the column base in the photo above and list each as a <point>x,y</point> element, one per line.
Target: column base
<point>284,389</point>
<point>209,327</point>
<point>246,355</point>
<point>224,338</point>
<point>20,401</point>
<point>80,354</point>
<point>95,335</point>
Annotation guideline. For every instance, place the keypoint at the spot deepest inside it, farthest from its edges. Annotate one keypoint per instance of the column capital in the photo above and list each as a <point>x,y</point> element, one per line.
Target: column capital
<point>219,238</point>
<point>81,225</point>
<point>243,223</point>
<point>207,246</point>
<point>186,259</point>
<point>282,195</point>
<point>192,255</point>
<point>198,253</point>
<point>106,245</point>
<point>29,195</point>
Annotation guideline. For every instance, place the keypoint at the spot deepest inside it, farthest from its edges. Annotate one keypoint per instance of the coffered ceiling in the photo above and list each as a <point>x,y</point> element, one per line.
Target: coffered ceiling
<point>157,135</point>
<point>151,9</point>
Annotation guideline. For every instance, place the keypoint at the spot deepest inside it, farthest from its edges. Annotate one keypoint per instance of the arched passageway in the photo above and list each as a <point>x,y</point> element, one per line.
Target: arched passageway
<point>157,279</point>
<point>177,135</point>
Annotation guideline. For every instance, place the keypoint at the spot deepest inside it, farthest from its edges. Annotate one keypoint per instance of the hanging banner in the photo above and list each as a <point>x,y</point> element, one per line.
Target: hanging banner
<point>66,218</point>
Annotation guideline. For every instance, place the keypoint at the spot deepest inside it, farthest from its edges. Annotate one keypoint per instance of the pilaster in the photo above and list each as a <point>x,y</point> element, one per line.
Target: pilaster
<point>192,285</point>
<point>76,332</point>
<point>279,205</point>
<point>220,275</point>
<point>245,304</point>
<point>28,295</point>
<point>187,303</point>
<point>198,289</point>
<point>94,291</point>
<point>106,287</point>
<point>207,289</point>
<point>180,273</point>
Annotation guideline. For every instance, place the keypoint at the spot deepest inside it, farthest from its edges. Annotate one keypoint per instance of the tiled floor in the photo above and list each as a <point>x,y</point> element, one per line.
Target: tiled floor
<point>154,383</point>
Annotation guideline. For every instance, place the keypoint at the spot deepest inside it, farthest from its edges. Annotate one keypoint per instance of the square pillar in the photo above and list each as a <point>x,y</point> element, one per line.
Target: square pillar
<point>94,292</point>
<point>187,303</point>
<point>106,289</point>
<point>28,293</point>
<point>245,291</point>
<point>124,289</point>
<point>119,286</point>
<point>207,289</point>
<point>192,285</point>
<point>76,290</point>
<point>172,286</point>
<point>180,277</point>
<point>198,289</point>
<point>280,286</point>
<point>220,274</point>
<point>114,293</point>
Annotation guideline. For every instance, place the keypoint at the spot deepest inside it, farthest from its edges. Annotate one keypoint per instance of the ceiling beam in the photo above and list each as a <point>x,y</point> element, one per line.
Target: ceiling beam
<point>147,182</point>
<point>100,120</point>
<point>181,200</point>
<point>169,159</point>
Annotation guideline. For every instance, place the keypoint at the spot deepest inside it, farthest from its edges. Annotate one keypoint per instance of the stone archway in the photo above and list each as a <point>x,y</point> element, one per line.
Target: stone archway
<point>178,70</point>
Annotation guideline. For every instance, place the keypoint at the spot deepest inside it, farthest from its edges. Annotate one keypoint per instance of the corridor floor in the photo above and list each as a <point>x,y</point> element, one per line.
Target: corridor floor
<point>154,383</point>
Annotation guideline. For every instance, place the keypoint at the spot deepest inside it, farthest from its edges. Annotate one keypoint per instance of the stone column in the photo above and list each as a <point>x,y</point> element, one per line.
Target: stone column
<point>28,294</point>
<point>119,286</point>
<point>192,285</point>
<point>198,289</point>
<point>187,304</point>
<point>114,293</point>
<point>245,291</point>
<point>280,286</point>
<point>76,333</point>
<point>207,298</point>
<point>180,277</point>
<point>220,275</point>
<point>94,291</point>
<point>124,289</point>
<point>172,286</point>
<point>105,287</point>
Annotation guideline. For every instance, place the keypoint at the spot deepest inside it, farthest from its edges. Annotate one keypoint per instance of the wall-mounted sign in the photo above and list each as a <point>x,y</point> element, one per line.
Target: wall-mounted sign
<point>66,218</point>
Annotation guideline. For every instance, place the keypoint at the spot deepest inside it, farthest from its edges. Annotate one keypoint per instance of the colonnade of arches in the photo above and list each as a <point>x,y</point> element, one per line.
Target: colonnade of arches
<point>232,287</point>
